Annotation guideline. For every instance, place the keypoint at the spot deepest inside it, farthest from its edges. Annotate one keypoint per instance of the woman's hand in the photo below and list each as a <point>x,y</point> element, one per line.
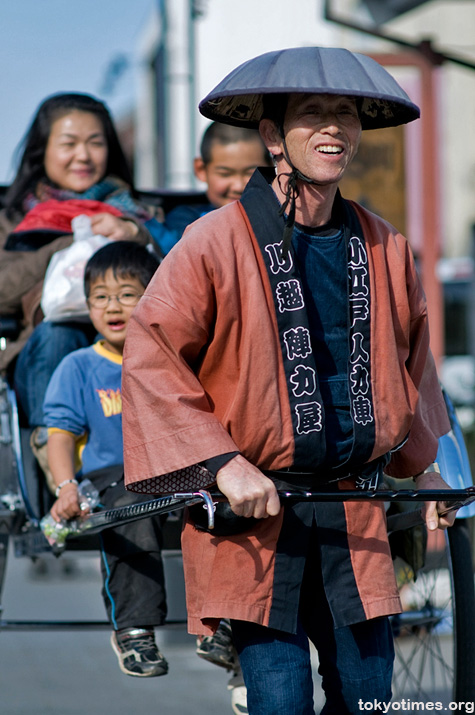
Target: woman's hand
<point>250,493</point>
<point>433,480</point>
<point>113,227</point>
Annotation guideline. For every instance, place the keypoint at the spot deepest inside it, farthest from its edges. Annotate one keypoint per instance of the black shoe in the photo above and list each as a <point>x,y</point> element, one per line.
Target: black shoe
<point>219,648</point>
<point>138,653</point>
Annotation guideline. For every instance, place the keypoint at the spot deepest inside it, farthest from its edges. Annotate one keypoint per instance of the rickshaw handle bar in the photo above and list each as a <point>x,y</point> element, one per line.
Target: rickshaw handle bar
<point>454,499</point>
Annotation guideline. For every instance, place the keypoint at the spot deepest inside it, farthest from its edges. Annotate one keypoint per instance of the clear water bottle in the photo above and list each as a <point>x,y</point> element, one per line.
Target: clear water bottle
<point>88,495</point>
<point>56,532</point>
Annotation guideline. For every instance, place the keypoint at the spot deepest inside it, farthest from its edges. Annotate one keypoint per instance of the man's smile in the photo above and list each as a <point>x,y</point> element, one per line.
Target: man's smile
<point>329,149</point>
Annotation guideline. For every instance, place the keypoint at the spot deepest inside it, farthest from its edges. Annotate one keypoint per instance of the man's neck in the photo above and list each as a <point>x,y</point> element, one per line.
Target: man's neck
<point>314,204</point>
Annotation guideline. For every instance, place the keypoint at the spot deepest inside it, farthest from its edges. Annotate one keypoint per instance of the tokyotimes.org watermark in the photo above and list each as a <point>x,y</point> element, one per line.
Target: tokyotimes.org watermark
<point>408,705</point>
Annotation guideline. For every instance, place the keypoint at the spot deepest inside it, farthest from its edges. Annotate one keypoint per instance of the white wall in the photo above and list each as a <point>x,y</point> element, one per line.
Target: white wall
<point>230,33</point>
<point>233,32</point>
<point>145,165</point>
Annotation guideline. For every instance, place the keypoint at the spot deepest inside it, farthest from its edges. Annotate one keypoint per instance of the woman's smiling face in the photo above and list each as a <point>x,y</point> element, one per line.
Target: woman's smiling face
<point>76,151</point>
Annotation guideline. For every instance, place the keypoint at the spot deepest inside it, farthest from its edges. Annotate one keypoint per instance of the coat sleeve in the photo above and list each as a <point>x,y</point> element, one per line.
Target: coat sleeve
<point>21,280</point>
<point>430,420</point>
<point>21,271</point>
<point>168,420</point>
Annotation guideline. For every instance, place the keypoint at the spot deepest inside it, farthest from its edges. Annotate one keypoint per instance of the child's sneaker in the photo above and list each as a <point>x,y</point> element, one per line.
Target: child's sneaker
<point>219,648</point>
<point>238,693</point>
<point>138,653</point>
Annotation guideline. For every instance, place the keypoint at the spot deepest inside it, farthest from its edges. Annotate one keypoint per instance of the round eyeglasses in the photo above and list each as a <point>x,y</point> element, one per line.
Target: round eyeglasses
<point>128,298</point>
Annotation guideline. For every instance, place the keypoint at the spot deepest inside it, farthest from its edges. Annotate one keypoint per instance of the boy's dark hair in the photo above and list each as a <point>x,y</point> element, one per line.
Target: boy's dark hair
<point>33,146</point>
<point>218,133</point>
<point>125,259</point>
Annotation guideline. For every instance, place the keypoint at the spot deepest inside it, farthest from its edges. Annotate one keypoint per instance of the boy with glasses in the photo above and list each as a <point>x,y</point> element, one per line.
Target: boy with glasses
<point>228,158</point>
<point>83,410</point>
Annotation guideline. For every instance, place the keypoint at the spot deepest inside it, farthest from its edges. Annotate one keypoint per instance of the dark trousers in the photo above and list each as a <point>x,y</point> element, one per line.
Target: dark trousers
<point>48,344</point>
<point>131,561</point>
<point>355,661</point>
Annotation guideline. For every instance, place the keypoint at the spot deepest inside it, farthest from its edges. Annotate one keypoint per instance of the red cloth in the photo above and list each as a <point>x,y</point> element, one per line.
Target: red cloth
<point>54,215</point>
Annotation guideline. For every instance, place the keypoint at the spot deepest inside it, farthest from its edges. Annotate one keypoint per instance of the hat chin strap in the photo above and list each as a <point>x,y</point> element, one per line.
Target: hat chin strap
<point>291,192</point>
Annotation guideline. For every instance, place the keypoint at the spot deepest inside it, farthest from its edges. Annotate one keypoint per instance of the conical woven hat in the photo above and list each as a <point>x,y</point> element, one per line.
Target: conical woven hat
<point>238,98</point>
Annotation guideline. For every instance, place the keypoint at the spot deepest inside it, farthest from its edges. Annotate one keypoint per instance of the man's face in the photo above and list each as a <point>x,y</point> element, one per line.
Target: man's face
<point>229,170</point>
<point>322,133</point>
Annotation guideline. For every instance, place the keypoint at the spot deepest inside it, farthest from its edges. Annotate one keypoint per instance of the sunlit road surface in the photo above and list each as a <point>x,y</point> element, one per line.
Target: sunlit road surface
<point>75,672</point>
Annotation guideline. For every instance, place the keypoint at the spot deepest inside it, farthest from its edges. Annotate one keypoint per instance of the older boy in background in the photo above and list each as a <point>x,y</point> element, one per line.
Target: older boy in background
<point>228,157</point>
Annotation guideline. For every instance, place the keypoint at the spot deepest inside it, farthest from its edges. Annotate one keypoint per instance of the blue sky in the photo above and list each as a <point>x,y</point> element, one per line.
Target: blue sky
<point>49,46</point>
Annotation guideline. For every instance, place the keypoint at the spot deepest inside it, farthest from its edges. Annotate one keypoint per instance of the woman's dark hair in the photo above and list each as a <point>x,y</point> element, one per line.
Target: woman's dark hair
<point>126,259</point>
<point>32,148</point>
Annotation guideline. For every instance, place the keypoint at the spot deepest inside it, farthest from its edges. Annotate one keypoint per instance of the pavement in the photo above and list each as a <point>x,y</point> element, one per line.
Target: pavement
<point>56,671</point>
<point>75,672</point>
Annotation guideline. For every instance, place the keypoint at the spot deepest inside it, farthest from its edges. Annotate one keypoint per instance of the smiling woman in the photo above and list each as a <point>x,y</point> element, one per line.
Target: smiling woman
<point>71,163</point>
<point>76,152</point>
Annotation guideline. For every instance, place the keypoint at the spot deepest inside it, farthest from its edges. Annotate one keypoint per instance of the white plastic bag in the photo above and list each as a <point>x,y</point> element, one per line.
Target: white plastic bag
<point>63,291</point>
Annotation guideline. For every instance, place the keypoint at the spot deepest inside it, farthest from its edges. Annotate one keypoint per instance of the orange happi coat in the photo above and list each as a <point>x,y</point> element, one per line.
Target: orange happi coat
<point>203,376</point>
